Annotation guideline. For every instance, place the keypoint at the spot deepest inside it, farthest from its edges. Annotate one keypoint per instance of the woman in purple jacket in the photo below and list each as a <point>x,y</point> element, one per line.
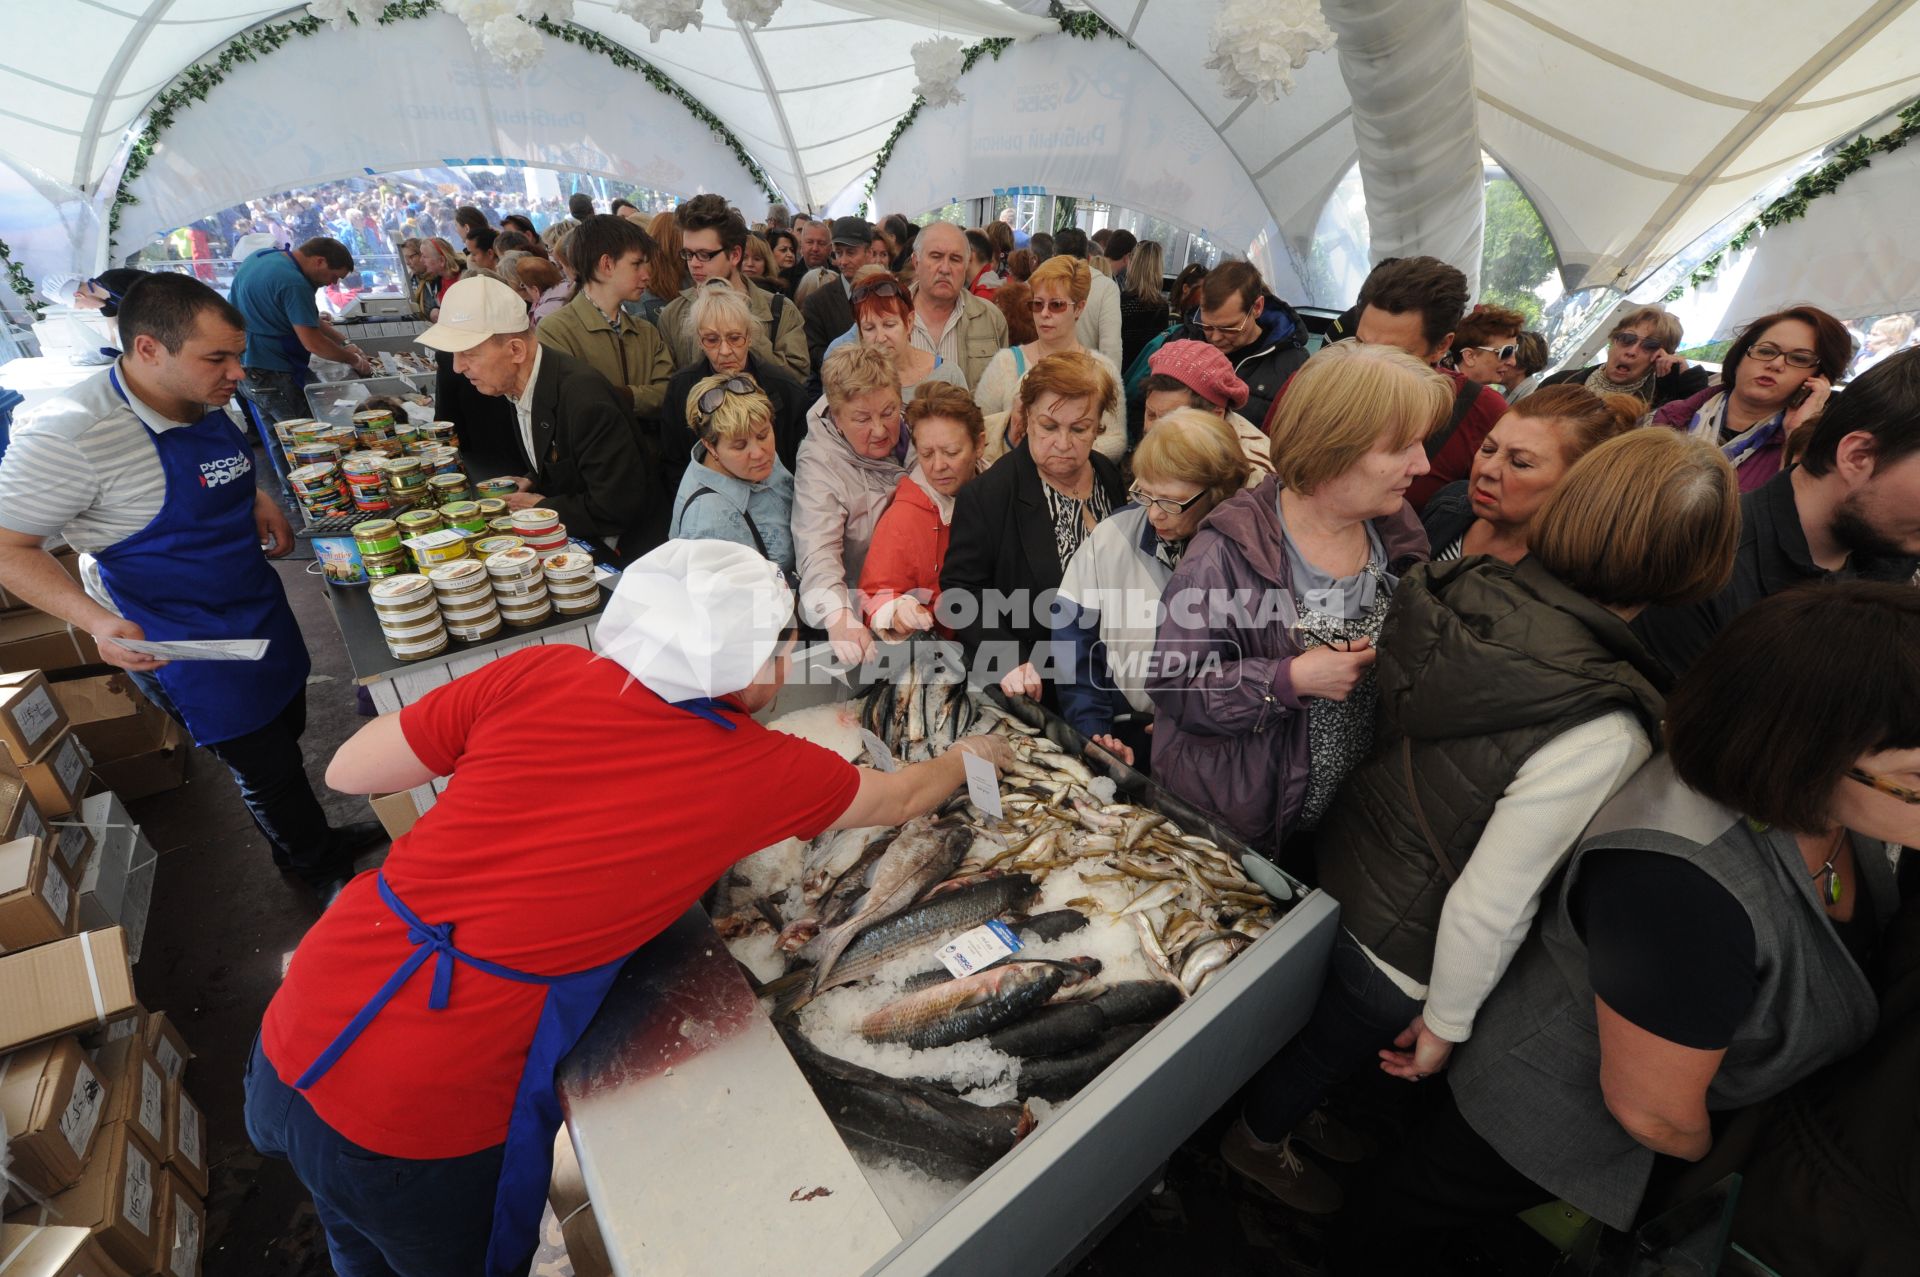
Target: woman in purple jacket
<point>1262,674</point>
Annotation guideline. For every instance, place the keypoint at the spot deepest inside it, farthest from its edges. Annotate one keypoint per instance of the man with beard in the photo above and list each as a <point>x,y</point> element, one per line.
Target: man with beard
<point>1849,511</point>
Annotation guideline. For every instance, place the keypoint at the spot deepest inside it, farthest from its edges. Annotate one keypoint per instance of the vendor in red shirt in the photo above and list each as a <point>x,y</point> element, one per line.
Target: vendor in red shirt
<point>405,1067</point>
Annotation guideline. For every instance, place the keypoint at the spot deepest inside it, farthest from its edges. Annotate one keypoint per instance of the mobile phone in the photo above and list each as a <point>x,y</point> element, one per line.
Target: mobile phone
<point>1800,396</point>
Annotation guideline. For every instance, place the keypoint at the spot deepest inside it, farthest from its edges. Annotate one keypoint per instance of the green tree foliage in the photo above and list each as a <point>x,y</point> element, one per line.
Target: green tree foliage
<point>1516,253</point>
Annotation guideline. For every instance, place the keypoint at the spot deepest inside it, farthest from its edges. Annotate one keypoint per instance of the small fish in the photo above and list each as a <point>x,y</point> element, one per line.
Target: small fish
<point>1207,957</point>
<point>1153,898</point>
<point>975,1005</point>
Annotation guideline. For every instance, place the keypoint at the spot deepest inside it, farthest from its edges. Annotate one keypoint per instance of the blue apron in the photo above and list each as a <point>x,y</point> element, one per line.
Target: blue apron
<point>526,1162</point>
<point>197,572</point>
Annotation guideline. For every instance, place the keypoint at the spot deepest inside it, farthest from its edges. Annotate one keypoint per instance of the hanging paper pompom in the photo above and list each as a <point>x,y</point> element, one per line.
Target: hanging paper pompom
<point>1259,44</point>
<point>937,64</point>
<point>512,43</point>
<point>661,15</point>
<point>551,10</point>
<point>752,13</point>
<point>340,12</point>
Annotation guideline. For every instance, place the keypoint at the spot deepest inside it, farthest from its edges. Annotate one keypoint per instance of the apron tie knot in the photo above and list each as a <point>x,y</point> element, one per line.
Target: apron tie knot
<point>439,940</point>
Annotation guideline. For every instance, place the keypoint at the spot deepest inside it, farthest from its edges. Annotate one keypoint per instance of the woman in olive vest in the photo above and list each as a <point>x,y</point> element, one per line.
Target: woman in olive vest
<point>1703,948</point>
<point>1514,701</point>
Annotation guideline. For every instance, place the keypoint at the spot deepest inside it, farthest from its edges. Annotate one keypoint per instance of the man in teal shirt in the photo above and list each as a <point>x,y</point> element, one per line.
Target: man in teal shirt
<point>274,289</point>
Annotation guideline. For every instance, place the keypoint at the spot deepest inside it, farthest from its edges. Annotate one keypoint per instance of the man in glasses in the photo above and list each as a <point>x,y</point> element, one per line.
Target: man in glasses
<point>713,238</point>
<point>1849,511</point>
<point>1260,335</point>
<point>1640,361</point>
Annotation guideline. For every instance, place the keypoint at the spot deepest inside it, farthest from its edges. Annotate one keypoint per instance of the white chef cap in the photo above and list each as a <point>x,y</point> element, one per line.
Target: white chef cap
<point>696,618</point>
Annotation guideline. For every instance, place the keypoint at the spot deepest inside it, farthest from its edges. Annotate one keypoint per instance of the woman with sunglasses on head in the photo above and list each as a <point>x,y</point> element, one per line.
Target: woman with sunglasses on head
<point>1640,361</point>
<point>900,581</point>
<point>1519,464</point>
<point>1060,286</point>
<point>883,315</point>
<point>1776,378</point>
<point>1104,632</point>
<point>1486,345</point>
<point>1705,947</point>
<point>1514,701</point>
<point>736,489</point>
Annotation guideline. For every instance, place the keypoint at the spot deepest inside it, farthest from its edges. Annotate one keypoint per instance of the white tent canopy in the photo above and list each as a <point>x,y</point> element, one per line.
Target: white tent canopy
<point>1634,126</point>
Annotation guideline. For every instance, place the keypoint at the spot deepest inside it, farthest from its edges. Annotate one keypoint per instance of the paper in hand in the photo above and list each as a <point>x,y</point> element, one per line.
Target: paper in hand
<point>198,649</point>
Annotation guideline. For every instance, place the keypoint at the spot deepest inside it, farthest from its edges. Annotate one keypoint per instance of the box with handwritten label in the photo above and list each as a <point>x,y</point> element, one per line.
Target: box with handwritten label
<point>37,903</point>
<point>183,1228</point>
<point>52,1099</point>
<point>58,778</point>
<point>136,1091</point>
<point>53,1251</point>
<point>31,719</point>
<point>117,1196</point>
<point>117,886</point>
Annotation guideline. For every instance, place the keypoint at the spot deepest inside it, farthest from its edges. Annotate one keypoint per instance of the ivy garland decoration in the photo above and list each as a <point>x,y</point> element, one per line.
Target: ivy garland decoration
<point>17,277</point>
<point>1080,25</point>
<point>1792,206</point>
<point>198,80</point>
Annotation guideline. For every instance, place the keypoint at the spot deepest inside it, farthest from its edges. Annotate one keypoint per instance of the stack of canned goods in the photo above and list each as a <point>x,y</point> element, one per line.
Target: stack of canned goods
<point>295,431</point>
<point>444,433</point>
<point>438,459</point>
<point>570,583</point>
<point>501,487</point>
<point>491,508</point>
<point>541,529</point>
<point>380,549</point>
<point>503,525</point>
<point>466,600</point>
<point>449,487</point>
<point>375,431</point>
<point>341,437</point>
<point>366,478</point>
<point>488,546</point>
<point>320,489</point>
<point>312,453</point>
<point>464,516</point>
<point>406,481</point>
<point>409,616</point>
<point>520,586</point>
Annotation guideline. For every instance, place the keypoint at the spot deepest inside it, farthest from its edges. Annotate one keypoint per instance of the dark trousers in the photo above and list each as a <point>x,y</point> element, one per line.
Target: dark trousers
<point>1359,1012</point>
<point>383,1216</point>
<point>1442,1179</point>
<point>272,777</point>
<point>277,395</point>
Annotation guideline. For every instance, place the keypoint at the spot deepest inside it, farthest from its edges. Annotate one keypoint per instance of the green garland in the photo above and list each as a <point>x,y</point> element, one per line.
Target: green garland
<point>197,81</point>
<point>1082,26</point>
<point>1792,206</point>
<point>17,277</point>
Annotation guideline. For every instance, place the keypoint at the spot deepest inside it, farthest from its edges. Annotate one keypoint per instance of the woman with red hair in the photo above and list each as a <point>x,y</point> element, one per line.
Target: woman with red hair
<point>883,312</point>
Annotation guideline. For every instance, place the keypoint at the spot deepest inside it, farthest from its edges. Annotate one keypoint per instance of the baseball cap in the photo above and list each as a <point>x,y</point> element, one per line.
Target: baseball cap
<point>852,230</point>
<point>474,310</point>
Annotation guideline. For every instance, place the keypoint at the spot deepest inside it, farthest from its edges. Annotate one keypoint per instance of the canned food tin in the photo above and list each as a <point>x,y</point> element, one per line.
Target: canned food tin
<point>377,536</point>
<point>381,565</point>
<point>491,508</point>
<point>487,547</point>
<point>301,429</point>
<point>401,591</point>
<point>307,454</point>
<point>440,460</point>
<point>473,596</point>
<point>451,489</point>
<point>463,574</point>
<point>499,487</point>
<point>516,562</point>
<point>414,630</point>
<point>417,522</point>
<point>317,474</point>
<point>579,606</point>
<point>404,473</point>
<point>414,615</point>
<point>479,633</point>
<point>538,518</point>
<point>420,650</point>
<point>471,614</point>
<point>520,593</point>
<point>573,589</point>
<point>568,565</point>
<point>504,526</point>
<point>443,546</point>
<point>521,618</point>
<point>445,433</point>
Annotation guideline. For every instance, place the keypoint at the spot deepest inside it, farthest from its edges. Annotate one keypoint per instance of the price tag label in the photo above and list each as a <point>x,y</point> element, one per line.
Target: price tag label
<point>979,948</point>
<point>983,785</point>
<point>877,750</point>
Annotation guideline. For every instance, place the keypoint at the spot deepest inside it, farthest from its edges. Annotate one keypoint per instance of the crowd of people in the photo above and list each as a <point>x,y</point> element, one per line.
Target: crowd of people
<point>1597,708</point>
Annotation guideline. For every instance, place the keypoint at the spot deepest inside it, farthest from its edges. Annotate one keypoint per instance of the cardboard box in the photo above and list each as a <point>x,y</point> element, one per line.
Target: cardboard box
<point>53,1100</point>
<point>136,1092</point>
<point>63,987</point>
<point>58,779</point>
<point>30,1250</point>
<point>72,844</point>
<point>37,903</point>
<point>118,1197</point>
<point>137,748</point>
<point>35,641</point>
<point>20,816</point>
<point>396,812</point>
<point>567,1195</point>
<point>167,1044</point>
<point>30,718</point>
<point>186,1139</point>
<point>117,885</point>
<point>183,1228</point>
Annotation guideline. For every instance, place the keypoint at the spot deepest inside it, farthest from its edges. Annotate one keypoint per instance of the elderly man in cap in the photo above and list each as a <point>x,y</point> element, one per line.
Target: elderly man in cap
<point>1193,374</point>
<point>829,307</point>
<point>595,797</point>
<point>583,458</point>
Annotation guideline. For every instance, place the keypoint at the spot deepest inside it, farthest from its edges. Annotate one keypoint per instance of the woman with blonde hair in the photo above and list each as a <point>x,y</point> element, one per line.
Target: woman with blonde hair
<point>1144,312</point>
<point>1104,632</point>
<point>1514,702</point>
<point>758,263</point>
<point>736,489</point>
<point>441,263</point>
<point>1060,287</point>
<point>1272,702</point>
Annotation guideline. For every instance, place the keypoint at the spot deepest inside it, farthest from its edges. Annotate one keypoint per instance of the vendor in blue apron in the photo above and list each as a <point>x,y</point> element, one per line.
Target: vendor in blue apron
<point>141,468</point>
<point>274,289</point>
<point>406,1065</point>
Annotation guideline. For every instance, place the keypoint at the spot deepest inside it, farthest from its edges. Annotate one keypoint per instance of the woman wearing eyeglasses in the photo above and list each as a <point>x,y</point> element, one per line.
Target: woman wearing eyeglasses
<point>1104,635</point>
<point>883,313</point>
<point>900,581</point>
<point>724,326</point>
<point>1486,345</point>
<point>1514,701</point>
<point>1776,378</point>
<point>1640,361</point>
<point>1060,286</point>
<point>736,489</point>
<point>1705,947</point>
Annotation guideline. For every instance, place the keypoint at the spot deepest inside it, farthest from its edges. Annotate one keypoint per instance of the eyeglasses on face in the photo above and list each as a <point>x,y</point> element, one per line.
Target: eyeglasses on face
<point>710,402</point>
<point>1165,505</point>
<point>1049,305</point>
<point>701,255</point>
<point>1884,785</point>
<point>1501,353</point>
<point>1221,330</point>
<point>1766,352</point>
<point>1627,341</point>
<point>723,341</point>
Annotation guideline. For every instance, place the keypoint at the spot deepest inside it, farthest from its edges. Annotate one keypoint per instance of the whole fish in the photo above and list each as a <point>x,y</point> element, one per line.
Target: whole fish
<point>1051,1030</point>
<point>930,923</point>
<point>922,854</point>
<point>976,1004</point>
<point>1058,1077</point>
<point>1037,929</point>
<point>1132,1001</point>
<point>831,855</point>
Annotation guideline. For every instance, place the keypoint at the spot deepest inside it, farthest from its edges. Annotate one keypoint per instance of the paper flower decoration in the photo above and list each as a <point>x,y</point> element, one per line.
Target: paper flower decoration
<point>752,13</point>
<point>1259,44</point>
<point>937,64</point>
<point>661,15</point>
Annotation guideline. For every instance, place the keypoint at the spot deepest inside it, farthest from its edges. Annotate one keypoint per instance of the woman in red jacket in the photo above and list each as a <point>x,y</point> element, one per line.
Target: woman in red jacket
<point>900,581</point>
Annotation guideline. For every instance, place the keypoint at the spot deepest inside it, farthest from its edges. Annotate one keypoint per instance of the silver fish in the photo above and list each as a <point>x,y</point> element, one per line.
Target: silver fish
<point>920,856</point>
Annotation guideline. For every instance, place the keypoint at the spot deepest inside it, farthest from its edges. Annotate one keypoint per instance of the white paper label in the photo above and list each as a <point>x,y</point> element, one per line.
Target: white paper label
<point>983,785</point>
<point>153,1104</point>
<point>877,750</point>
<point>136,1201</point>
<point>981,947</point>
<point>120,1029</point>
<point>188,1137</point>
<point>71,766</point>
<point>73,841</point>
<point>171,1061</point>
<point>57,894</point>
<point>184,1259</point>
<point>82,1114</point>
<point>198,649</point>
<point>31,826</point>
<point>34,714</point>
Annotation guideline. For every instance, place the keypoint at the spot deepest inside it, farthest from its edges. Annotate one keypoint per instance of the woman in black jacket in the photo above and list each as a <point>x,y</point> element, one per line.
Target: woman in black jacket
<point>1015,527</point>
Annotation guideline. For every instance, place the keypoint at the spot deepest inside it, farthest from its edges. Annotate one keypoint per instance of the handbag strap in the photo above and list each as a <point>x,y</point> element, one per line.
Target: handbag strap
<point>1447,866</point>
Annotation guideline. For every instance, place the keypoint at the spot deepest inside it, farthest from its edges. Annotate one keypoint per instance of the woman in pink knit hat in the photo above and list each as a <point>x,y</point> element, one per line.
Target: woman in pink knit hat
<point>1192,374</point>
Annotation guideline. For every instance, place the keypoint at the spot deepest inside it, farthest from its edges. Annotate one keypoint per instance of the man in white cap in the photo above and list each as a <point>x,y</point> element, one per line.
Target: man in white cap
<point>594,797</point>
<point>583,458</point>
